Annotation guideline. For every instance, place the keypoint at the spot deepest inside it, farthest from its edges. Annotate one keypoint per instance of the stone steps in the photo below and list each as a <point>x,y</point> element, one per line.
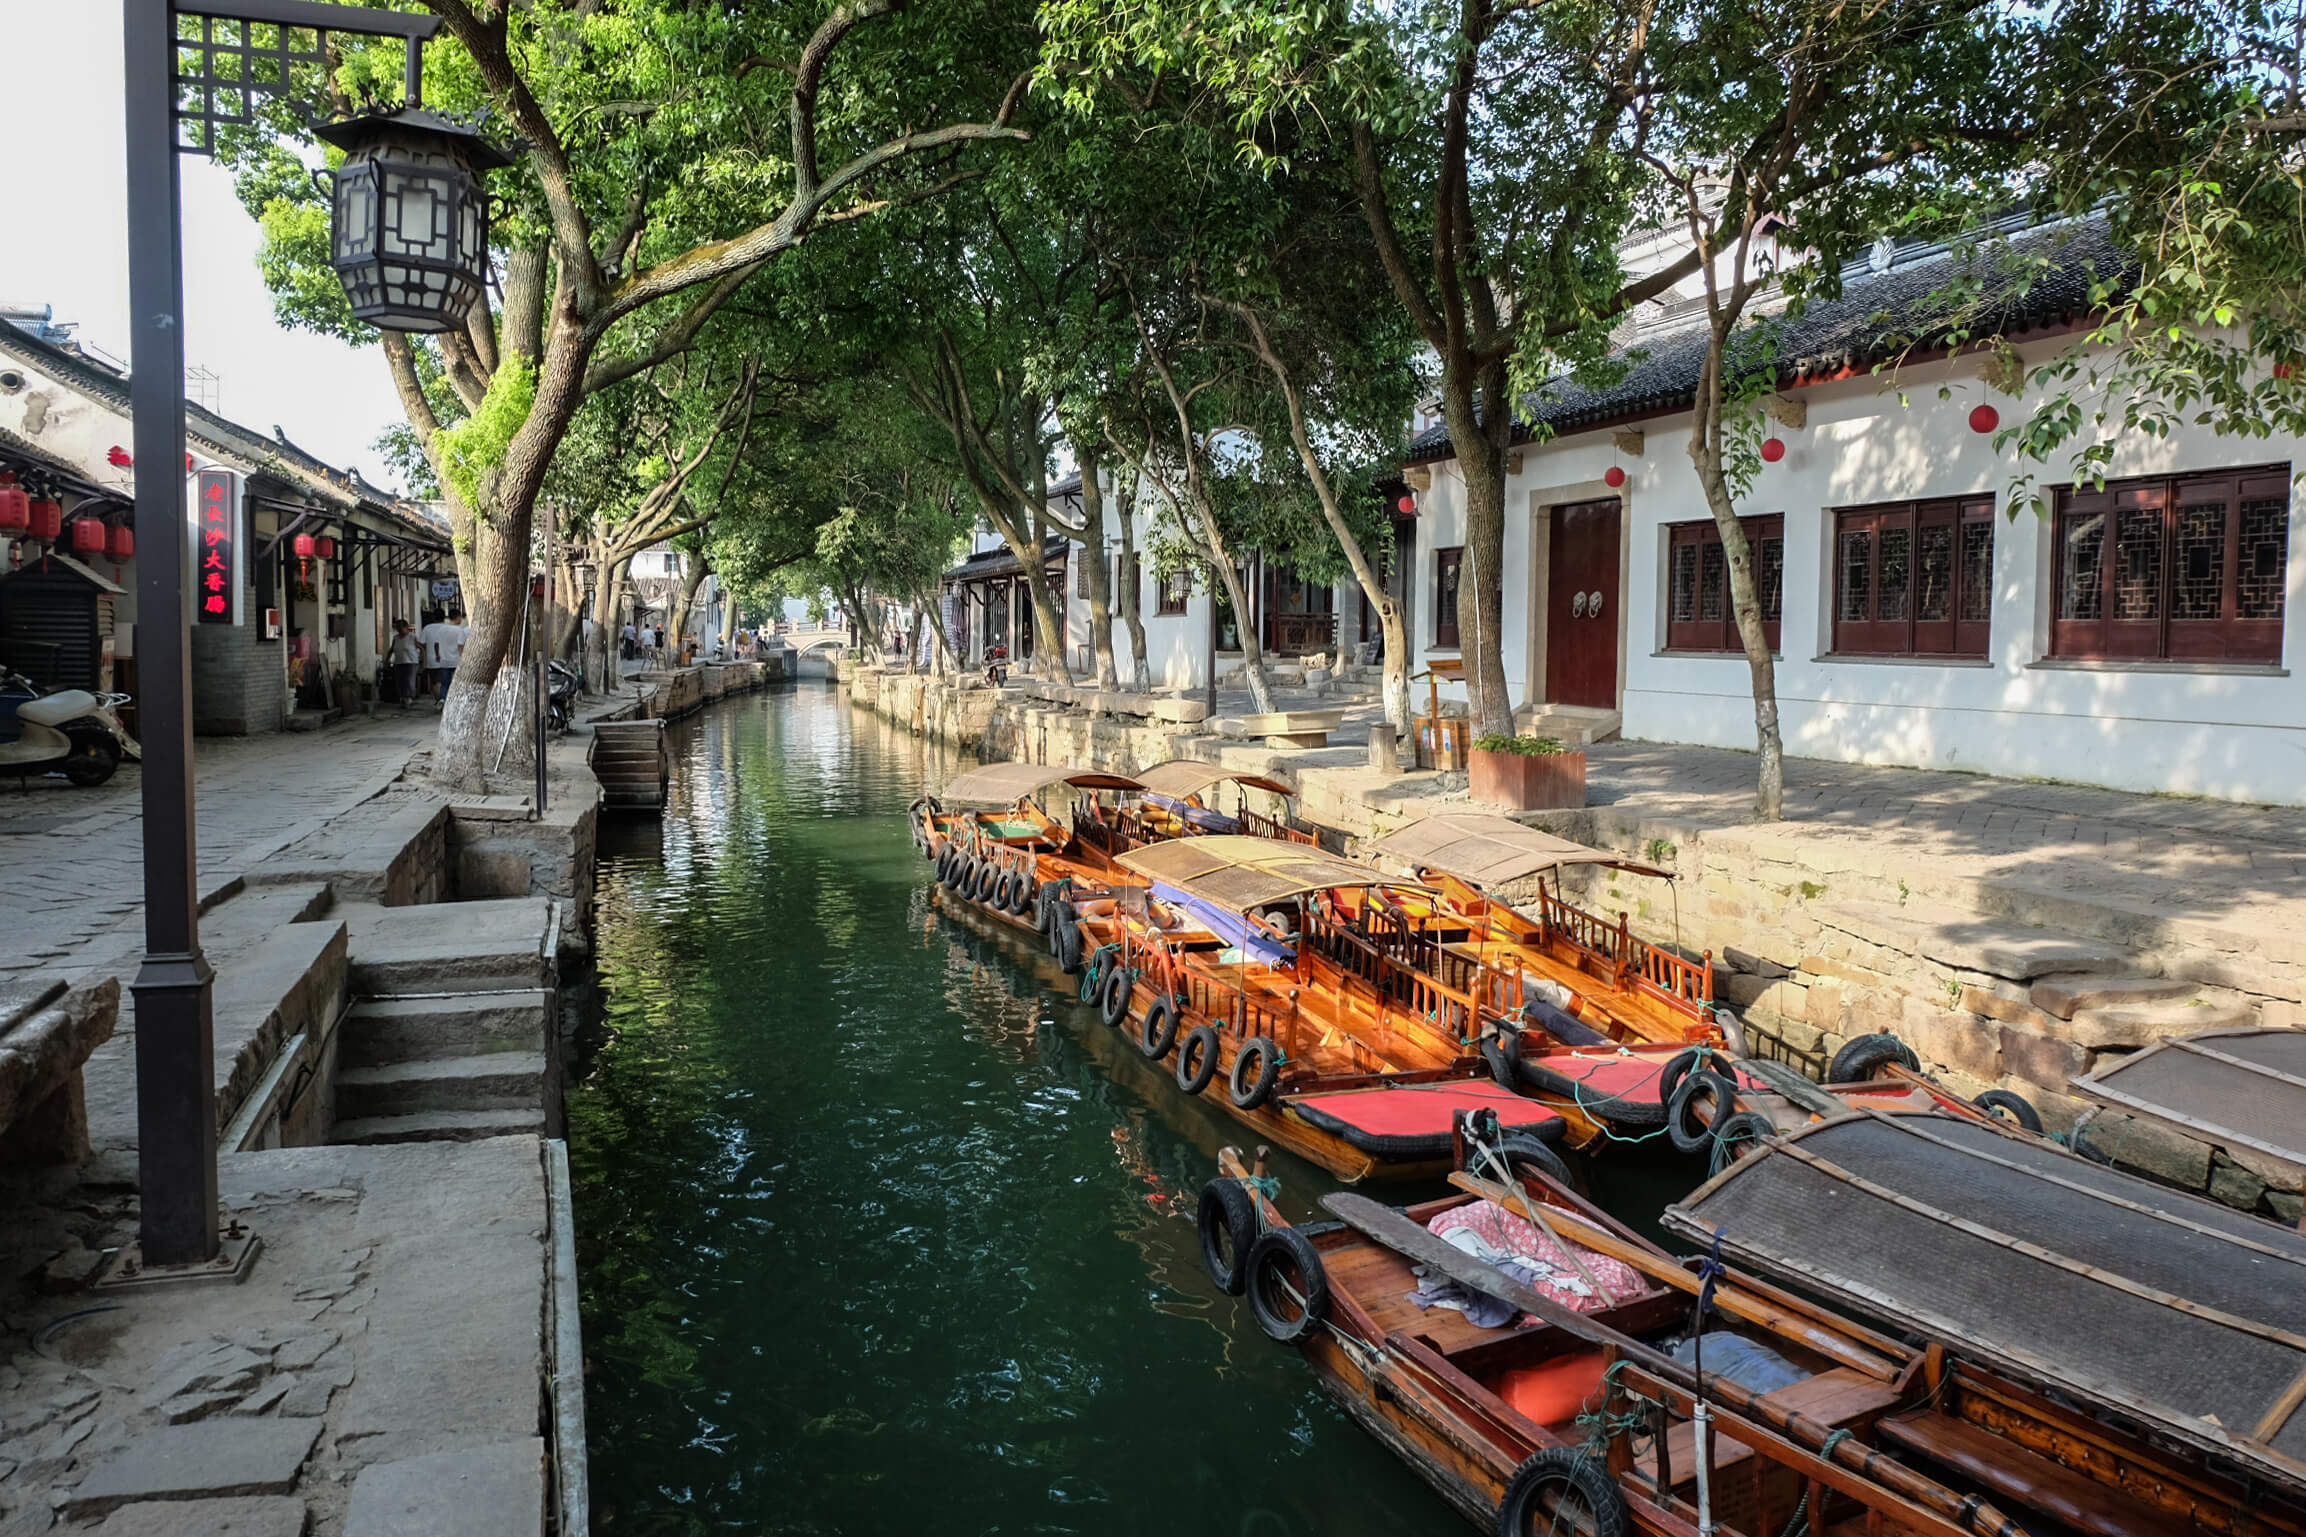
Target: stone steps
<point>382,1031</point>
<point>2065,996</point>
<point>2142,1024</point>
<point>449,947</point>
<point>1571,725</point>
<point>497,1080</point>
<point>443,1126</point>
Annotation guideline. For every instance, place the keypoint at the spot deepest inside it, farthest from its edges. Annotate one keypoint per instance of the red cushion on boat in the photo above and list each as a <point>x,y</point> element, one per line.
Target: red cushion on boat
<point>1554,1392</point>
<point>1413,1119</point>
<point>1620,1077</point>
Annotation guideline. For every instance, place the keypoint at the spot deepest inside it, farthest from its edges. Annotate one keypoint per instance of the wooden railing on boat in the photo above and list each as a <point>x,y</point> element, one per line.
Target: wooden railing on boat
<point>1403,980</point>
<point>1630,962</point>
<point>1259,826</point>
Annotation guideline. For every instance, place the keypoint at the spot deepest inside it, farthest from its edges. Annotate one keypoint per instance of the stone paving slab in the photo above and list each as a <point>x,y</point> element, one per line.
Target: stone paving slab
<point>212,1458</point>
<point>257,1516</point>
<point>477,1493</point>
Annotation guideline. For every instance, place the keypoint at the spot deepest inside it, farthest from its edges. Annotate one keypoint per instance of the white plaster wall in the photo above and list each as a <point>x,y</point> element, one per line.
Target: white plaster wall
<point>2213,729</point>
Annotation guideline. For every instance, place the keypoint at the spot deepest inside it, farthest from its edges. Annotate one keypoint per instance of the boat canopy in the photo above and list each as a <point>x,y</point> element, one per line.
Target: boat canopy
<point>1180,777</point>
<point>2243,1088</point>
<point>2169,1309</point>
<point>1492,850</point>
<point>1237,873</point>
<point>1001,784</point>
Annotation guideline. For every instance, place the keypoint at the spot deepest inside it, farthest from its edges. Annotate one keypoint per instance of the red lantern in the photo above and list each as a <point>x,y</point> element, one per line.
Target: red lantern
<point>87,536</point>
<point>15,506</point>
<point>303,545</point>
<point>1407,506</point>
<point>47,521</point>
<point>123,541</point>
<point>119,458</point>
<point>1773,449</point>
<point>1614,476</point>
<point>324,547</point>
<point>1984,419</point>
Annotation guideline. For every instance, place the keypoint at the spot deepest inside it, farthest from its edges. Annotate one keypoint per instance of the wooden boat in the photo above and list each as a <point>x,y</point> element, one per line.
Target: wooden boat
<point>2040,1278</point>
<point>2241,1091</point>
<point>999,850</point>
<point>1207,960</point>
<point>1174,801</point>
<point>1575,1400</point>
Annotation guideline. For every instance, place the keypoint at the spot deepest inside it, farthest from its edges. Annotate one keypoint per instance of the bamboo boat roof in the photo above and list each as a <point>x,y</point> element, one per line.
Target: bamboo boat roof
<point>1492,850</point>
<point>1239,873</point>
<point>2242,1088</point>
<point>999,784</point>
<point>2168,1309</point>
<point>1180,777</point>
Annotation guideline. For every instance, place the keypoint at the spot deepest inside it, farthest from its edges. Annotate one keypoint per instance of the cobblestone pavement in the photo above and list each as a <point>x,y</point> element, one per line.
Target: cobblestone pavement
<point>71,860</point>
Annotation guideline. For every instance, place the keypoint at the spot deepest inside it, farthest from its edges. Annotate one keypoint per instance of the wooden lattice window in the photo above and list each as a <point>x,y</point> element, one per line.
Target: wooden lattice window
<point>1914,578</point>
<point>1699,615</point>
<point>2185,569</point>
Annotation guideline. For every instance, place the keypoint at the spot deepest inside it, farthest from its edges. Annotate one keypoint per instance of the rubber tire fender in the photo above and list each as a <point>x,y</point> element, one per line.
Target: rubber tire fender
<point>1113,993</point>
<point>1067,945</point>
<point>1159,1031</point>
<point>1021,893</point>
<point>988,877</point>
<point>1743,1130</point>
<point>2019,1109</point>
<point>945,865</point>
<point>1271,1257</point>
<point>1862,1056</point>
<point>1517,1149</point>
<point>1500,1066</point>
<point>1682,1128</point>
<point>1524,1511</point>
<point>1677,1068</point>
<point>1251,1091</point>
<point>1197,1059</point>
<point>1004,883</point>
<point>1228,1225</point>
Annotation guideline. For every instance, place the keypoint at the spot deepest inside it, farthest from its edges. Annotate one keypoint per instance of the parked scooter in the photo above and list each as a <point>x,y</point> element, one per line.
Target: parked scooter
<point>73,733</point>
<point>996,665</point>
<point>561,695</point>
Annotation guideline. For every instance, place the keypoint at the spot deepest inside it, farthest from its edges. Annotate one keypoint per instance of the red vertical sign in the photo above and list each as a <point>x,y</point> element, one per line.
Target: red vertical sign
<point>216,595</point>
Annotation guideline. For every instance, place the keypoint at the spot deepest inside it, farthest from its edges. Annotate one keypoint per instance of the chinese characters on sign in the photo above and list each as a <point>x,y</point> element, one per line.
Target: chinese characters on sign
<point>216,595</point>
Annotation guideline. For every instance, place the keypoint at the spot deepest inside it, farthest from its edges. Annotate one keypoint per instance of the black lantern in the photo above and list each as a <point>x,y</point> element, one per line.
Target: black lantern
<point>409,239</point>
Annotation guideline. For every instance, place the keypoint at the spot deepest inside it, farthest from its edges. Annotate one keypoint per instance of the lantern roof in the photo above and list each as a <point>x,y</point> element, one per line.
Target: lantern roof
<point>359,131</point>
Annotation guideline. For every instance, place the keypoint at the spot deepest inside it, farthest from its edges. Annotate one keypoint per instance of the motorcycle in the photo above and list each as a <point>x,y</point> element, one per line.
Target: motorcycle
<point>73,733</point>
<point>996,665</point>
<point>560,696</point>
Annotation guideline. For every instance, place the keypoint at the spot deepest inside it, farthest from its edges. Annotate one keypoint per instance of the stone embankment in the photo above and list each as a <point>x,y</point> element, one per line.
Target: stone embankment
<point>2017,936</point>
<point>402,1353</point>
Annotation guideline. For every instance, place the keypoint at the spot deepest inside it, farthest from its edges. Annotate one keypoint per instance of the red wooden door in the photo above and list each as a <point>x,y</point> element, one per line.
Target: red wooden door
<point>1581,606</point>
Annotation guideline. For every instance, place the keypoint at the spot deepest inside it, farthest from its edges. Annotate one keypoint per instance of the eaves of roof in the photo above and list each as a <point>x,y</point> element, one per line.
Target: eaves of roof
<point>1876,318</point>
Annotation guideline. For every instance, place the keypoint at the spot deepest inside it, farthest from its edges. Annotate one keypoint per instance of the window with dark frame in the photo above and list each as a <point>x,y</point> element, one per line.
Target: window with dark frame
<point>1699,615</point>
<point>2190,568</point>
<point>1914,578</point>
<point>1447,564</point>
<point>1176,590</point>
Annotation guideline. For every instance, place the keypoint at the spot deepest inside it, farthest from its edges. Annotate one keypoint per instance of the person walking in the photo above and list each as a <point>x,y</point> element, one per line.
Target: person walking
<point>443,649</point>
<point>407,657</point>
<point>631,642</point>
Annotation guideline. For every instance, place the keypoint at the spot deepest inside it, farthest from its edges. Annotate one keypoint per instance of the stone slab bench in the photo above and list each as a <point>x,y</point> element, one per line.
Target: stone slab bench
<point>1165,707</point>
<point>1293,728</point>
<point>47,1032</point>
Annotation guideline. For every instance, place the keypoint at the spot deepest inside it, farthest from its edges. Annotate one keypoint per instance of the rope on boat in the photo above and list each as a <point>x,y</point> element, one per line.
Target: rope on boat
<point>1798,1524</point>
<point>1094,971</point>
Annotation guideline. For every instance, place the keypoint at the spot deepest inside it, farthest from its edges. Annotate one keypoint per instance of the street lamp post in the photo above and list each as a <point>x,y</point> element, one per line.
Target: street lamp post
<point>189,70</point>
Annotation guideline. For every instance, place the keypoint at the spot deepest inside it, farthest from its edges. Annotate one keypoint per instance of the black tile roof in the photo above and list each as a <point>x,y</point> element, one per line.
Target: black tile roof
<point>1877,315</point>
<point>1002,562</point>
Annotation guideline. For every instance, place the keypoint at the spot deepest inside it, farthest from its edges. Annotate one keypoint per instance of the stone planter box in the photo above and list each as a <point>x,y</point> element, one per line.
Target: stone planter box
<point>1528,781</point>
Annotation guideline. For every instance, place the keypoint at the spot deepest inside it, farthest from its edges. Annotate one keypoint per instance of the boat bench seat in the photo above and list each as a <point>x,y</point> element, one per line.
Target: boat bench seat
<point>1841,1398</point>
<point>2022,1477</point>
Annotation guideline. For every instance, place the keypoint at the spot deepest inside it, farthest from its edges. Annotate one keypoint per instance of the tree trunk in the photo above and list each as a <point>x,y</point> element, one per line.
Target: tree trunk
<point>1705,451</point>
<point>608,628</point>
<point>1479,437</point>
<point>679,628</point>
<point>1132,596</point>
<point>1099,572</point>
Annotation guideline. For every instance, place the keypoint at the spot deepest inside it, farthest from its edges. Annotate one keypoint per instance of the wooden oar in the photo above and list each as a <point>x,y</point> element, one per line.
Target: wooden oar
<point>1731,1300</point>
<point>1383,1225</point>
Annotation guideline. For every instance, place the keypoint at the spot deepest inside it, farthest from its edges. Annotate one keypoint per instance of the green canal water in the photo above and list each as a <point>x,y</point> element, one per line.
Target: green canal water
<point>881,1232</point>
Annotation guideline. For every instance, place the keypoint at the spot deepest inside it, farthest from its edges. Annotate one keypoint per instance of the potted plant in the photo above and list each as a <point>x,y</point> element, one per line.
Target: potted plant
<point>1527,773</point>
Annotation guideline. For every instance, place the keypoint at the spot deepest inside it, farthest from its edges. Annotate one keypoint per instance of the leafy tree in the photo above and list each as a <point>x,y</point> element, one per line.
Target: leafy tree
<point>670,154</point>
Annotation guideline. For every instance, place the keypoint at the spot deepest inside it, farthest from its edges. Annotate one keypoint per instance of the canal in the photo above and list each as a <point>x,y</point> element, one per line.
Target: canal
<point>880,1232</point>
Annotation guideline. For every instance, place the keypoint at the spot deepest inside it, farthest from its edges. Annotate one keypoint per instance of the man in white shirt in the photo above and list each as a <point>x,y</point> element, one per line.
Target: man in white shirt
<point>443,642</point>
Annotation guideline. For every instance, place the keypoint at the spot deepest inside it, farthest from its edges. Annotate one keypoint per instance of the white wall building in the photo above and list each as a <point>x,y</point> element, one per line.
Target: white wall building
<point>2138,638</point>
